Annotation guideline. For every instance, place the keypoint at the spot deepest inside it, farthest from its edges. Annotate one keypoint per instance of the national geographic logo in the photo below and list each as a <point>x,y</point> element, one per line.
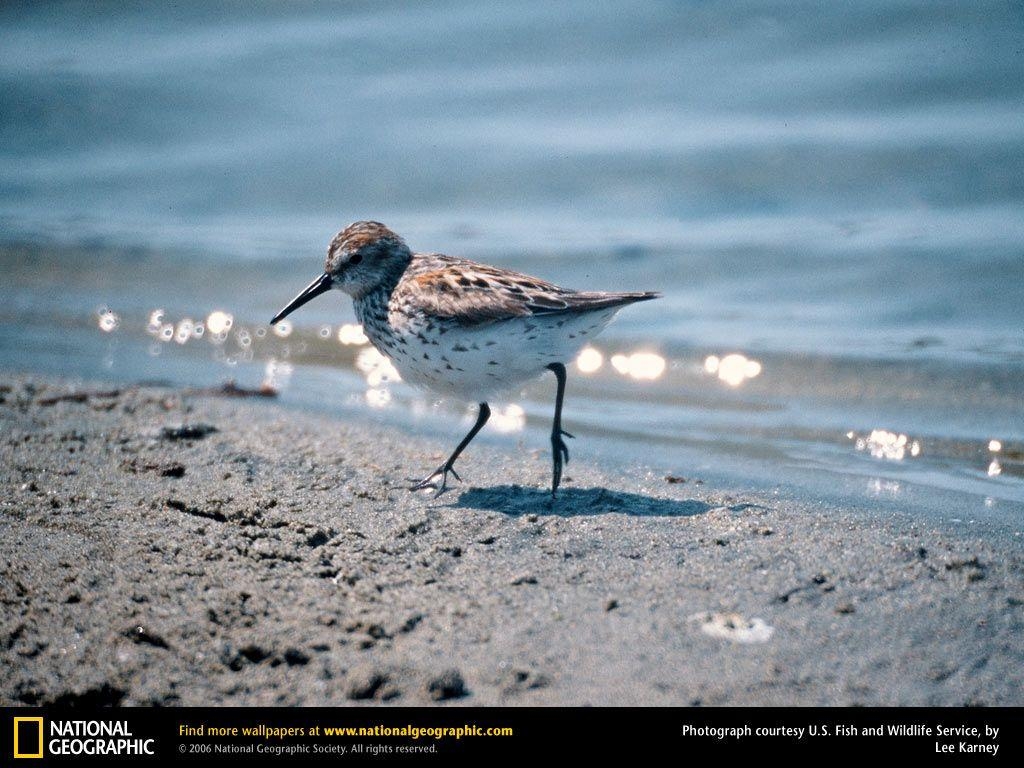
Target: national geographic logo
<point>77,737</point>
<point>28,737</point>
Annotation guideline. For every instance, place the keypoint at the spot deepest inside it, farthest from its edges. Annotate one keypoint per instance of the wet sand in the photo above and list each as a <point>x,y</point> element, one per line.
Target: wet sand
<point>161,547</point>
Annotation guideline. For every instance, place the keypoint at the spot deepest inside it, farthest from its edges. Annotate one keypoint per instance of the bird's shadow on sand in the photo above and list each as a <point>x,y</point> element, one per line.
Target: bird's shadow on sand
<point>515,500</point>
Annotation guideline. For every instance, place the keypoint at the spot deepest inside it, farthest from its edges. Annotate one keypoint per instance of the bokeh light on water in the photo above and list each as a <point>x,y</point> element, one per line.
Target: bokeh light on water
<point>108,320</point>
<point>589,360</point>
<point>351,334</point>
<point>639,365</point>
<point>885,444</point>
<point>508,418</point>
<point>733,369</point>
<point>218,322</point>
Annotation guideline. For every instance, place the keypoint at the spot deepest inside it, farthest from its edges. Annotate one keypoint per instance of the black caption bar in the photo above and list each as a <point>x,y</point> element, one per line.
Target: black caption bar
<point>279,736</point>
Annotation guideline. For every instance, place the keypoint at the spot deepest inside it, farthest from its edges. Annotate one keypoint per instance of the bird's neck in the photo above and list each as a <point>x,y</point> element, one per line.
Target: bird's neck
<point>372,305</point>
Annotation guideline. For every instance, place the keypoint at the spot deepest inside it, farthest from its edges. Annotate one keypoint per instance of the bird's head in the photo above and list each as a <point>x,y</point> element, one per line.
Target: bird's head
<point>362,257</point>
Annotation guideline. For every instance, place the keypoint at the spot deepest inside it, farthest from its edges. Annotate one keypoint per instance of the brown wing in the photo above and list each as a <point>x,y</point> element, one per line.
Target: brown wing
<point>475,294</point>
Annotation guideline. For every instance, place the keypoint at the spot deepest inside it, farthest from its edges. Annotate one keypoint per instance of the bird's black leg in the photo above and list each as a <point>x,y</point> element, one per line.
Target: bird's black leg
<point>449,465</point>
<point>559,451</point>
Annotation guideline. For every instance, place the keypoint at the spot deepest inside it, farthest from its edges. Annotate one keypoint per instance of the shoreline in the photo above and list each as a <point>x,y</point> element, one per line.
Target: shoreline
<point>278,559</point>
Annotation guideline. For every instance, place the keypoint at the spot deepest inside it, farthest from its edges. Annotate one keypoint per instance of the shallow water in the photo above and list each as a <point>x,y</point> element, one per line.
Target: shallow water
<point>835,194</point>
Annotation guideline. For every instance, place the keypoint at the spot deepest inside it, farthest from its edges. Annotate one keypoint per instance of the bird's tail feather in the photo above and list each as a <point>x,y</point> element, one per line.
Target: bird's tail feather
<point>586,301</point>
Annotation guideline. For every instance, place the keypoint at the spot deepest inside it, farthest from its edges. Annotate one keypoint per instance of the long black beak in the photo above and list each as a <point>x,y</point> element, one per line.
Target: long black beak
<point>321,285</point>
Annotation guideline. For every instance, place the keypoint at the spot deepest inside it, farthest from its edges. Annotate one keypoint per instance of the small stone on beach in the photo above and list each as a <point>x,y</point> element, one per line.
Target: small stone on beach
<point>187,431</point>
<point>447,685</point>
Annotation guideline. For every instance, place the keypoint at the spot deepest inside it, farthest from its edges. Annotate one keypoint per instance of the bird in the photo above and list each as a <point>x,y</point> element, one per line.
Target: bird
<point>460,328</point>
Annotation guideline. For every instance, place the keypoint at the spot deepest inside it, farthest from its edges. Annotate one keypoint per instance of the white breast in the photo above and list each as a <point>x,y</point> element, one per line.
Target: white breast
<point>477,363</point>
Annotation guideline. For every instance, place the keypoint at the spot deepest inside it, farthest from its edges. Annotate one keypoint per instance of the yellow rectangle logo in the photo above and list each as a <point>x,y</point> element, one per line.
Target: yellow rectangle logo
<point>31,743</point>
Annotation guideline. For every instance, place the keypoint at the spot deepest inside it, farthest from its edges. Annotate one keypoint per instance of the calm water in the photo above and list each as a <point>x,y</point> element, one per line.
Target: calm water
<point>833,191</point>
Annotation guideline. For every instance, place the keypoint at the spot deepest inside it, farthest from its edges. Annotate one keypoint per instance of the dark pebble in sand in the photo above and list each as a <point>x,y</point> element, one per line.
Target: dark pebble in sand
<point>447,685</point>
<point>318,538</point>
<point>364,683</point>
<point>519,680</point>
<point>611,605</point>
<point>295,657</point>
<point>411,623</point>
<point>254,653</point>
<point>142,636</point>
<point>188,431</point>
<point>960,563</point>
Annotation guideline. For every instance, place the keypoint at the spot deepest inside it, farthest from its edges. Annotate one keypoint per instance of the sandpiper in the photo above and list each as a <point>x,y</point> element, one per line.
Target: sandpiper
<point>461,328</point>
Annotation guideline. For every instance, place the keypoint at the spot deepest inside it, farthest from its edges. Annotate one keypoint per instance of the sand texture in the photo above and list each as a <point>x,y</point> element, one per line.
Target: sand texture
<point>158,547</point>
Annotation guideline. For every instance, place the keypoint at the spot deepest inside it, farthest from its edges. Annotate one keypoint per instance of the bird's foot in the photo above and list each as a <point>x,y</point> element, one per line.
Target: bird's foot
<point>559,456</point>
<point>428,481</point>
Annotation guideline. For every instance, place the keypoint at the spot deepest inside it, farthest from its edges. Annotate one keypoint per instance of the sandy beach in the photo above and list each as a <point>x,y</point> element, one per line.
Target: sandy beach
<point>173,548</point>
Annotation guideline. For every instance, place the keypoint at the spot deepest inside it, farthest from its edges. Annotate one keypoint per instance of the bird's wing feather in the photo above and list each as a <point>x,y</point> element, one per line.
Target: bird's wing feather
<point>474,294</point>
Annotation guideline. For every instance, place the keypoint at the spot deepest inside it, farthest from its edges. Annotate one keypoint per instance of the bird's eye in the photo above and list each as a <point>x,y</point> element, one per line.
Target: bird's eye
<point>354,259</point>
